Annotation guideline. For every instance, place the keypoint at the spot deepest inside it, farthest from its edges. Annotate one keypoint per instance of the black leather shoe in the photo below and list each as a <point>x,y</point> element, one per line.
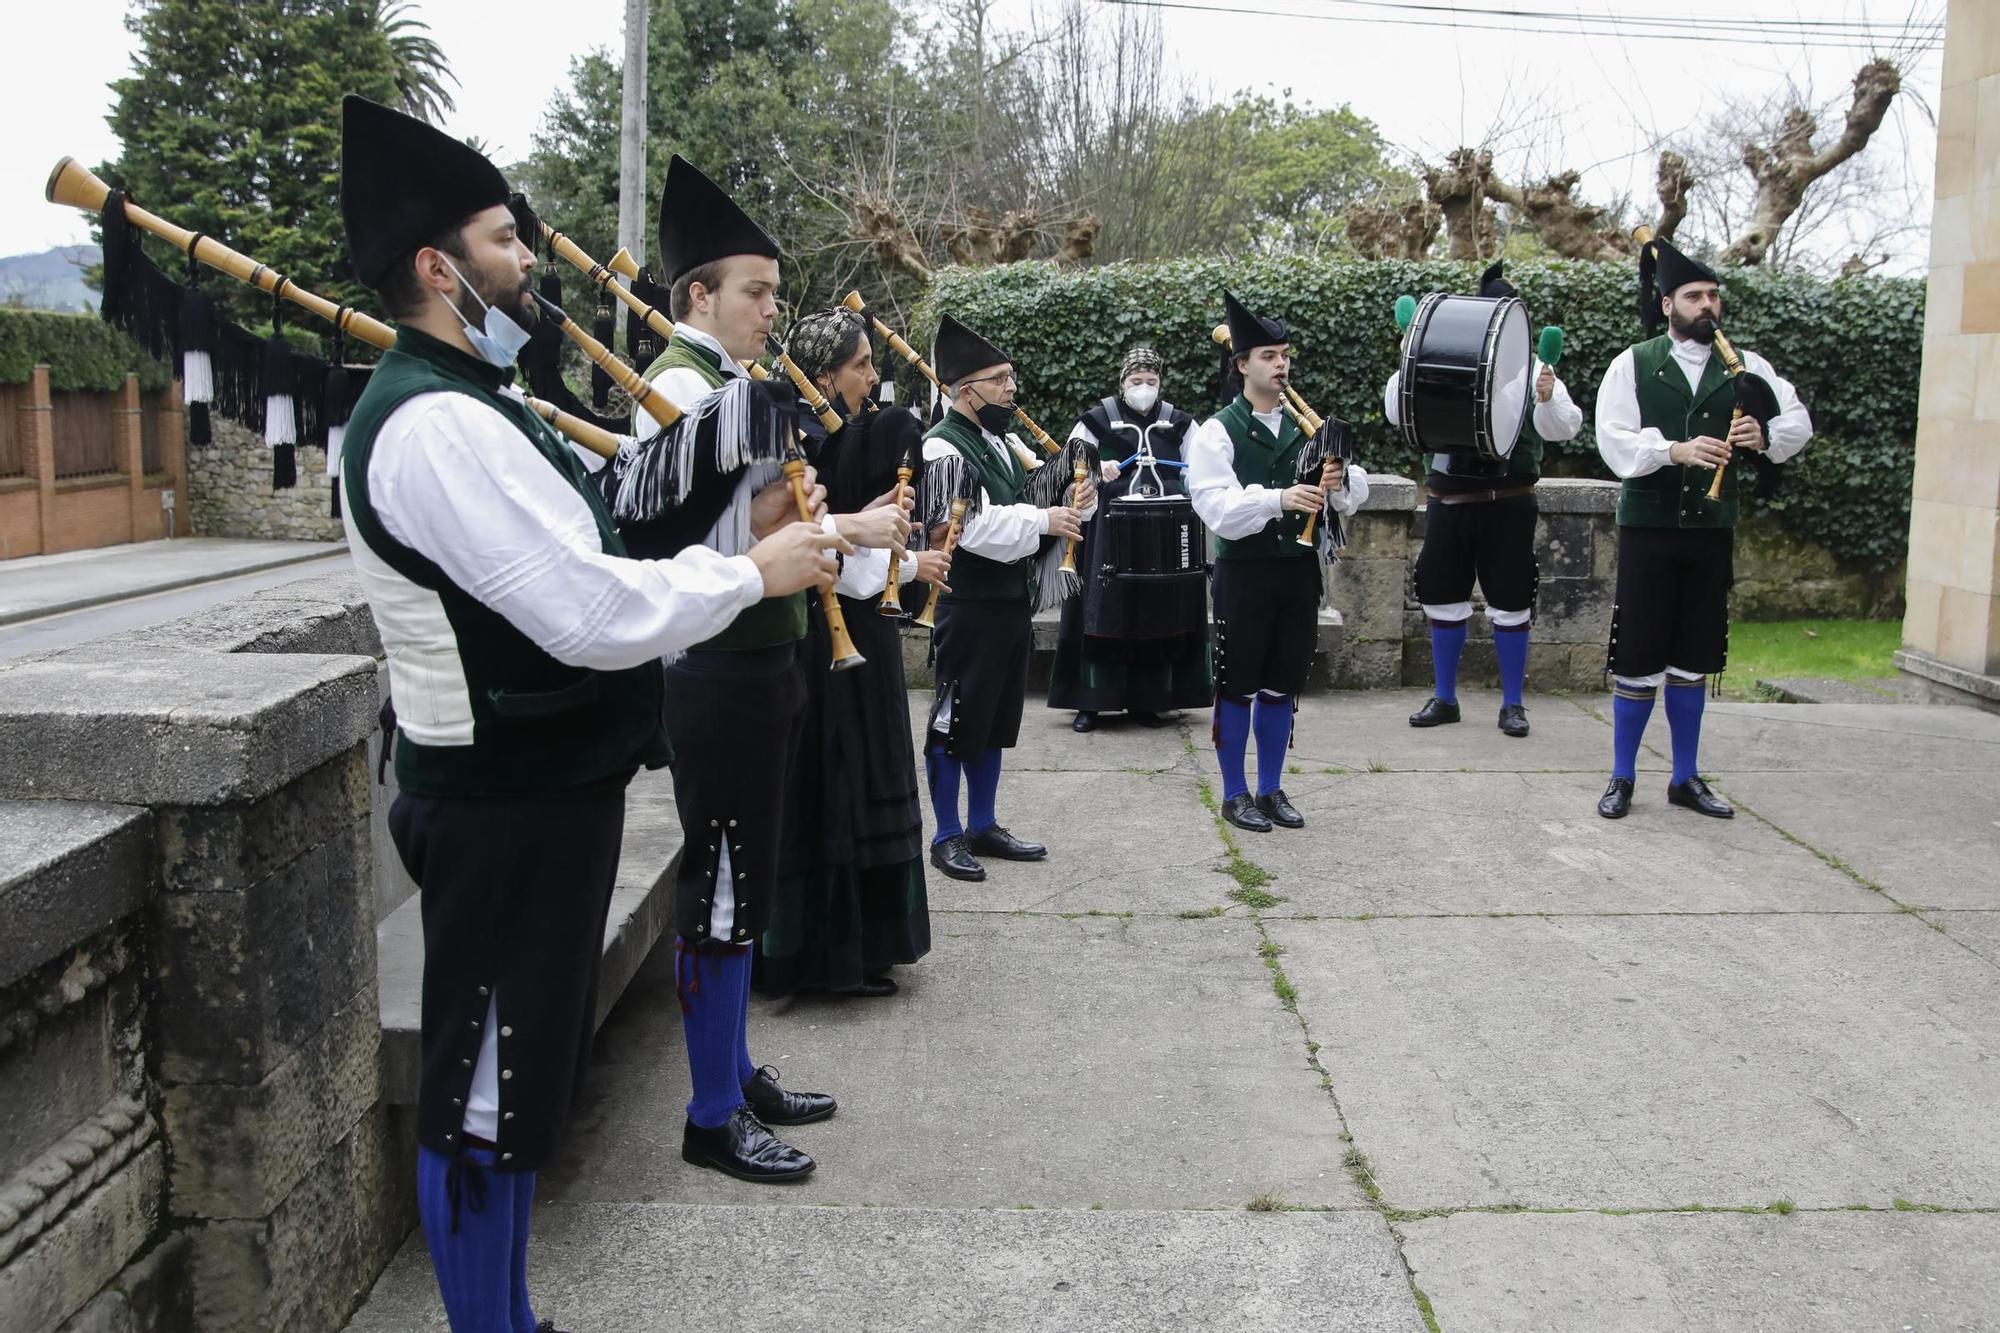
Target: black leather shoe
<point>1616,802</point>
<point>869,988</point>
<point>1695,795</point>
<point>998,842</point>
<point>1084,722</point>
<point>1280,810</point>
<point>1242,811</point>
<point>1514,719</point>
<point>775,1106</point>
<point>1435,713</point>
<point>954,858</point>
<point>1145,717</point>
<point>743,1148</point>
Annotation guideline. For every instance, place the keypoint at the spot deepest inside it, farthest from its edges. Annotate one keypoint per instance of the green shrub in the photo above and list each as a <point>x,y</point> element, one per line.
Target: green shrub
<point>1850,347</point>
<point>82,352</point>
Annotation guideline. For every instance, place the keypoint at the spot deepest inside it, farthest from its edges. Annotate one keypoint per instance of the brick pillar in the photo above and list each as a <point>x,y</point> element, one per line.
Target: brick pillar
<point>173,454</point>
<point>132,449</point>
<point>1951,631</point>
<point>38,442</point>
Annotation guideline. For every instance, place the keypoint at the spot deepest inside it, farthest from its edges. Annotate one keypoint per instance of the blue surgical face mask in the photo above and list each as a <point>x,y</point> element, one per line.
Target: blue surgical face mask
<point>501,340</point>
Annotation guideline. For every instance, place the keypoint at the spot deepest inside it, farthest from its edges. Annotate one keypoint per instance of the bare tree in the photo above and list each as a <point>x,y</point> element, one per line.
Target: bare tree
<point>1458,190</point>
<point>1565,224</point>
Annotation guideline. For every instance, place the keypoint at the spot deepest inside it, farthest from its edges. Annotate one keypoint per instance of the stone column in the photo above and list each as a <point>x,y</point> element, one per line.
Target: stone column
<point>1370,587</point>
<point>173,454</point>
<point>1951,631</point>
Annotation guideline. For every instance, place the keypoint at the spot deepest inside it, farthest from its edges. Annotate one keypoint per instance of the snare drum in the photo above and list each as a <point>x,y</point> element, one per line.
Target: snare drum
<point>1467,376</point>
<point>1150,578</point>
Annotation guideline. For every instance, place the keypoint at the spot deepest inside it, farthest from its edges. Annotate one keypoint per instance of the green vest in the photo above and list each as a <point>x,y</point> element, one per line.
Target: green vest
<point>1263,461</point>
<point>537,725</point>
<point>774,620</point>
<point>974,578</point>
<point>1676,496</point>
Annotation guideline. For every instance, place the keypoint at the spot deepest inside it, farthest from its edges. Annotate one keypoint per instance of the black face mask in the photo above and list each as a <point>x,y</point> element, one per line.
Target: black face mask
<point>995,417</point>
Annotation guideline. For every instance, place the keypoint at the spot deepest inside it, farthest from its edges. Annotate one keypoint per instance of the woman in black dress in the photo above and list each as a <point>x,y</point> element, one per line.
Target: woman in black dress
<point>851,900</point>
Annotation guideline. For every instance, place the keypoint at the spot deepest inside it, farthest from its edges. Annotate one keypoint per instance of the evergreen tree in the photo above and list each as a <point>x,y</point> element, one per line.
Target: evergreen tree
<point>230,125</point>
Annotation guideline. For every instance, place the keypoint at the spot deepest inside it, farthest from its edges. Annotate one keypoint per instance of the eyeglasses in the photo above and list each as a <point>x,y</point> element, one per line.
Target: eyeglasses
<point>1007,380</point>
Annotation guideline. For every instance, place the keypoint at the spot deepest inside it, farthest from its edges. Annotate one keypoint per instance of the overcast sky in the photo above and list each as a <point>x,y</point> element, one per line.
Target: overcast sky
<point>1597,103</point>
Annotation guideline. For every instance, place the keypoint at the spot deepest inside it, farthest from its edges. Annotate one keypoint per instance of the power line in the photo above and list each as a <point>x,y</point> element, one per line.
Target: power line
<point>1690,35</point>
<point>1847,28</point>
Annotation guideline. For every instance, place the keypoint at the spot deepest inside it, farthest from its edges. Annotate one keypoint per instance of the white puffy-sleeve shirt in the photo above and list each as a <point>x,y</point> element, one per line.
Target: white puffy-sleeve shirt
<point>1233,511</point>
<point>1631,450</point>
<point>999,532</point>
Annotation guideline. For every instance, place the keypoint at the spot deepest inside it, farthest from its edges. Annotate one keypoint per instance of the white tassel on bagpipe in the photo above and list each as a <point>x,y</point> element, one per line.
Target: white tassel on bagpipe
<point>281,420</point>
<point>197,378</point>
<point>1335,441</point>
<point>658,473</point>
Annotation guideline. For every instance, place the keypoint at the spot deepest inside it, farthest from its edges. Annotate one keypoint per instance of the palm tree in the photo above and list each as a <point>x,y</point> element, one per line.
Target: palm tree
<point>421,66</point>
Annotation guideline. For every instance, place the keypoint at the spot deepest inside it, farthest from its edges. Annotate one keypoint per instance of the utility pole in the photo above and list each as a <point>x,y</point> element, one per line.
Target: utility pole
<point>632,135</point>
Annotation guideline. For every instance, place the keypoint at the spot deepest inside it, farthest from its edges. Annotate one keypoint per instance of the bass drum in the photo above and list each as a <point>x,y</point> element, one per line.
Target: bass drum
<point>1151,574</point>
<point>1467,376</point>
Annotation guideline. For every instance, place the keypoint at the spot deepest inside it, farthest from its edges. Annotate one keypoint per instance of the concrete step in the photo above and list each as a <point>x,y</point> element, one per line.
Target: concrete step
<point>641,911</point>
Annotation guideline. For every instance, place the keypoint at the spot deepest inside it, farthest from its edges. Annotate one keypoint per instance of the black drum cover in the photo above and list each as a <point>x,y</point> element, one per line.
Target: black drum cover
<point>1151,574</point>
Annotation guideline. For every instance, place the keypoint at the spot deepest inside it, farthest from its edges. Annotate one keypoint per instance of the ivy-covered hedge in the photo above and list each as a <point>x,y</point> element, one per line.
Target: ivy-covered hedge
<point>1851,348</point>
<point>82,352</point>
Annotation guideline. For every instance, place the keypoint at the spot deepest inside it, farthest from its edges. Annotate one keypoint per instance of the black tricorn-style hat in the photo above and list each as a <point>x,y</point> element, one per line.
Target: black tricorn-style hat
<point>1663,271</point>
<point>403,184</point>
<point>1247,332</point>
<point>700,223</point>
<point>958,352</point>
<point>1493,285</point>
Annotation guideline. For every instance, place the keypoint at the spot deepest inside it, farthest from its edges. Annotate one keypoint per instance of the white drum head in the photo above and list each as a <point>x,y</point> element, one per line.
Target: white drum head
<point>1512,368</point>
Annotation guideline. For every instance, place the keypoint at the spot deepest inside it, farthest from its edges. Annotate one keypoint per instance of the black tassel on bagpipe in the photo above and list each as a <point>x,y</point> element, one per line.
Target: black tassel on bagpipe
<point>197,348</point>
<point>605,329</point>
<point>336,406</point>
<point>138,297</point>
<point>1334,441</point>
<point>279,382</point>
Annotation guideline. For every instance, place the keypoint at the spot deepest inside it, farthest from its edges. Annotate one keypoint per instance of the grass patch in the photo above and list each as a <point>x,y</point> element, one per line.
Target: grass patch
<point>1857,650</point>
<point>1249,894</point>
<point>1363,1171</point>
<point>1201,914</point>
<point>1377,766</point>
<point>1267,1202</point>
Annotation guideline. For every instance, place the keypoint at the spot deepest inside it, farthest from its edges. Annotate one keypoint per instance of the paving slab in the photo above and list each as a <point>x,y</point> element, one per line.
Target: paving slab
<point>1712,1272</point>
<point>1658,1061</point>
<point>1363,728</point>
<point>1118,842</point>
<point>1868,738</point>
<point>1930,839</point>
<point>1027,1061</point>
<point>45,585</point>
<point>1977,931</point>
<point>1430,843</point>
<point>638,1269</point>
<point>1118,744</point>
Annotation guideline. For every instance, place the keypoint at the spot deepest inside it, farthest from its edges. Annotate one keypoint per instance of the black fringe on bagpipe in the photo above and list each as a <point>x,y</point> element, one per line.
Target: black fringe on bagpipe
<point>170,319</point>
<point>1334,440</point>
<point>944,479</point>
<point>741,425</point>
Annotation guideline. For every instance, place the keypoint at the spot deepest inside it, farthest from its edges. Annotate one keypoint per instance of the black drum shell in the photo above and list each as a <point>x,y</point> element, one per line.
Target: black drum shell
<point>1448,376</point>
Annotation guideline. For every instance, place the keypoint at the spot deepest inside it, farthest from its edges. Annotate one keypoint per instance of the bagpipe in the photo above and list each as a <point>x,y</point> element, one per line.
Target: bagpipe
<point>1329,443</point>
<point>1755,398</point>
<point>288,396</point>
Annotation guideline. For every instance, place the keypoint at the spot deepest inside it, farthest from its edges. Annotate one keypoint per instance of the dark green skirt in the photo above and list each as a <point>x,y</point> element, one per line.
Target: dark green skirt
<point>835,926</point>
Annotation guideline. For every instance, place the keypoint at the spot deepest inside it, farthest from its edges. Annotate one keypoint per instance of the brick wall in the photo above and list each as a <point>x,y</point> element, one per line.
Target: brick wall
<point>46,509</point>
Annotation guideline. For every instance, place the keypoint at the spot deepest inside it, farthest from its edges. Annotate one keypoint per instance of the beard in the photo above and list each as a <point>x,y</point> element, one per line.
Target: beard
<point>1700,329</point>
<point>512,297</point>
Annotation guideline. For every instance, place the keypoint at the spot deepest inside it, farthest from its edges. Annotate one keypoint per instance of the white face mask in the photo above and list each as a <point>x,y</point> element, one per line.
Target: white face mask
<point>1141,397</point>
<point>501,340</point>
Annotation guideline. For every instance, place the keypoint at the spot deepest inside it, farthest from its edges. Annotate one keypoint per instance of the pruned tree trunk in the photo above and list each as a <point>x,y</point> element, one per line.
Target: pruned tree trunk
<point>1079,239</point>
<point>1672,182</point>
<point>1787,169</point>
<point>1568,226</point>
<point>1458,189</point>
<point>1393,229</point>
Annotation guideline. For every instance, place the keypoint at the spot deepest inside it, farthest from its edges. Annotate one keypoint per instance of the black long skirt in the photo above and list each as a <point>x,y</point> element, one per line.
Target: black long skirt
<point>851,899</point>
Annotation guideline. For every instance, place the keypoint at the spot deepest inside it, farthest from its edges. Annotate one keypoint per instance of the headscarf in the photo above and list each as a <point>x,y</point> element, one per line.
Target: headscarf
<point>1140,358</point>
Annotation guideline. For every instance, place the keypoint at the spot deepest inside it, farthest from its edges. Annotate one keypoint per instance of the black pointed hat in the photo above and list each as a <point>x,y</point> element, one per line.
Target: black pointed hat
<point>1663,271</point>
<point>958,352</point>
<point>700,224</point>
<point>1247,332</point>
<point>403,184</point>
<point>1492,285</point>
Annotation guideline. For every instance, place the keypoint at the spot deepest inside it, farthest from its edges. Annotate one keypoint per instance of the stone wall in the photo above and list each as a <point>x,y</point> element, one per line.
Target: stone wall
<point>230,492</point>
<point>192,1127</point>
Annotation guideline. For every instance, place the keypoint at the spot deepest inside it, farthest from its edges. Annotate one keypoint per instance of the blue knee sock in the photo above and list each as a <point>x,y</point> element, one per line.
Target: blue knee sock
<point>944,775</point>
<point>1510,645</point>
<point>468,1217</point>
<point>1273,726</point>
<point>1447,646</point>
<point>1232,739</point>
<point>1685,701</point>
<point>519,1308</point>
<point>982,791</point>
<point>714,987</point>
<point>745,1070</point>
<point>1630,708</point>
